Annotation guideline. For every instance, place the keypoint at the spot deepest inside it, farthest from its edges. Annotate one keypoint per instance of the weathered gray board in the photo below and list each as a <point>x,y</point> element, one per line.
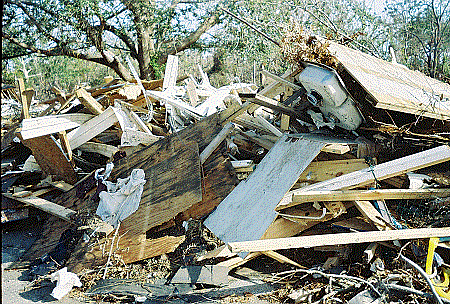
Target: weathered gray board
<point>394,86</point>
<point>246,213</point>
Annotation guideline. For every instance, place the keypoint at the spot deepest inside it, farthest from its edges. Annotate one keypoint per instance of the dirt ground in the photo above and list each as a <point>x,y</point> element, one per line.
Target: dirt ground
<point>17,237</point>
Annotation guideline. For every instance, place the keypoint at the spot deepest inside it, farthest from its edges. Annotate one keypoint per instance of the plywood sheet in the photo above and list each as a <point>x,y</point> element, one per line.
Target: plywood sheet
<point>173,186</point>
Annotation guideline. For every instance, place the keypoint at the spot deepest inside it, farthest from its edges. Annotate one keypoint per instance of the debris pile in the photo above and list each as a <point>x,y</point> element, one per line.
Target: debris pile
<point>326,184</point>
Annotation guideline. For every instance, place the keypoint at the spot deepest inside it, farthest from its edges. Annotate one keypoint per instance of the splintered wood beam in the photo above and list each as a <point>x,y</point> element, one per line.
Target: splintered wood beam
<point>65,104</point>
<point>191,92</point>
<point>274,105</point>
<point>284,122</point>
<point>377,194</point>
<point>171,72</point>
<point>338,239</point>
<point>44,205</point>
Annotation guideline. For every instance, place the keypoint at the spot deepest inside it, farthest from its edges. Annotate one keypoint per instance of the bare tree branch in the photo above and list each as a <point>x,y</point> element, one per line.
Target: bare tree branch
<point>35,22</point>
<point>191,39</point>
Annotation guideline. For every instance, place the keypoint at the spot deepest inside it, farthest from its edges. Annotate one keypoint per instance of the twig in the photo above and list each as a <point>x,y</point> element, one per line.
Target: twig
<point>110,251</point>
<point>330,275</point>
<point>251,26</point>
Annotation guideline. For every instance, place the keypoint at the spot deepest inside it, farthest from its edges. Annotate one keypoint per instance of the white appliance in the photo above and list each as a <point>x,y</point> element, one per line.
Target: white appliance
<point>326,90</point>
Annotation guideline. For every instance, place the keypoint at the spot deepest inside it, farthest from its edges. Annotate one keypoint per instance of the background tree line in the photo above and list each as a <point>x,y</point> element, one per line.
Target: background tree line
<point>70,42</point>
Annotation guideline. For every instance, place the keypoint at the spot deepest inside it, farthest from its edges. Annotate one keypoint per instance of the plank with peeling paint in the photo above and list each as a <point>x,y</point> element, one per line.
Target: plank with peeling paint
<point>248,210</point>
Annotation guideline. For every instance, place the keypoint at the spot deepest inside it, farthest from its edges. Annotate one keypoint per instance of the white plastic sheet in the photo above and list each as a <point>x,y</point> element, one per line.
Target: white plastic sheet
<point>122,198</point>
<point>65,282</point>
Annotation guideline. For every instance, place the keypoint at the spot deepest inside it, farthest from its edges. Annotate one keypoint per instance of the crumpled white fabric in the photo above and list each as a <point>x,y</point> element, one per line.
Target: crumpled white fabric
<point>65,282</point>
<point>105,175</point>
<point>122,198</point>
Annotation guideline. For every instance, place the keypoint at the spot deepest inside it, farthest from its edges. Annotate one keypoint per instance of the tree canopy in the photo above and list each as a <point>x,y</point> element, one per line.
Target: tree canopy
<point>106,31</point>
<point>98,30</point>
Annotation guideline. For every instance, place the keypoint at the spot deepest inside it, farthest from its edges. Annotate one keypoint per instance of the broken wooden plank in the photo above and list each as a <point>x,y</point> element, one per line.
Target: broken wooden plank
<point>39,126</point>
<point>382,171</point>
<point>268,126</point>
<point>131,137</point>
<point>282,259</point>
<point>164,97</point>
<point>248,210</point>
<point>375,194</point>
<point>337,239</point>
<point>372,215</point>
<point>63,186</point>
<point>89,102</point>
<point>51,159</point>
<point>131,248</point>
<point>92,128</point>
<point>65,145</point>
<point>45,205</point>
<point>64,105</point>
<point>284,122</point>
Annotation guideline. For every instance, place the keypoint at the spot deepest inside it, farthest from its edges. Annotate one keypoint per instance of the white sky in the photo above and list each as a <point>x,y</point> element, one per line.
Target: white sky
<point>377,6</point>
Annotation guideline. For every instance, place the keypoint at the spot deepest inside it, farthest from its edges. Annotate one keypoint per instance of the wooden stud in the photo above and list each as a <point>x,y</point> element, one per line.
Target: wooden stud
<point>376,194</point>
<point>338,239</point>
<point>44,205</point>
<point>23,98</point>
<point>380,172</point>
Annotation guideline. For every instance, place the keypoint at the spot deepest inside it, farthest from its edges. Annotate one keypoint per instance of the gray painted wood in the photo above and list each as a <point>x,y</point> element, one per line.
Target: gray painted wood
<point>208,274</point>
<point>248,210</point>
